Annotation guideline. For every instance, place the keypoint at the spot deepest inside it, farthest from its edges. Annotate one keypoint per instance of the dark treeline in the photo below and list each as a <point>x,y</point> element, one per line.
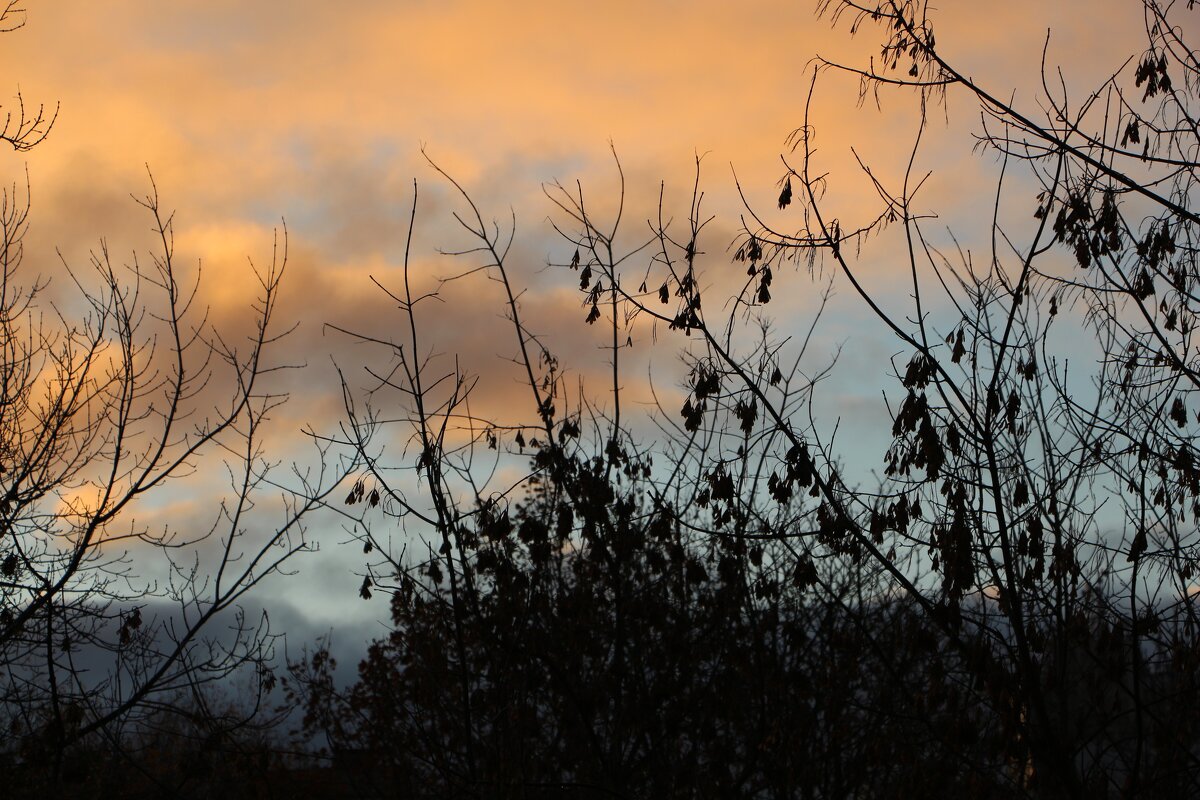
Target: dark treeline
<point>719,610</point>
<point>608,650</point>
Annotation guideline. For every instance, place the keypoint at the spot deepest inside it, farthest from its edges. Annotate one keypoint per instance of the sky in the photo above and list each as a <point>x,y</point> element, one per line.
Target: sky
<point>313,114</point>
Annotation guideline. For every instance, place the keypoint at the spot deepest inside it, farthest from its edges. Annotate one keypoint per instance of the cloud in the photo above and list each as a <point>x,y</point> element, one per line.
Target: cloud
<point>252,113</point>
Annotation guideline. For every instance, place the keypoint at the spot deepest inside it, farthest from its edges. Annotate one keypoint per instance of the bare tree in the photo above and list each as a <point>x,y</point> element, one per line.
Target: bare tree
<point>627,617</point>
<point>23,127</point>
<point>1033,531</point>
<point>111,402</point>
<point>1043,519</point>
<point>1059,510</point>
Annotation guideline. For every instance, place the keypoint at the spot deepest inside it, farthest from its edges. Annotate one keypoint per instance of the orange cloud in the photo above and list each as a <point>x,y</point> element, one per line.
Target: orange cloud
<point>316,112</point>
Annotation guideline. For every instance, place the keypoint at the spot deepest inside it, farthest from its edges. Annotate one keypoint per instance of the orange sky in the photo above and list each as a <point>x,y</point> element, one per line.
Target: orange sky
<point>314,112</point>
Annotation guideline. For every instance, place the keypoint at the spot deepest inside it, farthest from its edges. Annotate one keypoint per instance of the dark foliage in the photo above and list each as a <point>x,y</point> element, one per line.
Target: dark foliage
<point>1009,612</point>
